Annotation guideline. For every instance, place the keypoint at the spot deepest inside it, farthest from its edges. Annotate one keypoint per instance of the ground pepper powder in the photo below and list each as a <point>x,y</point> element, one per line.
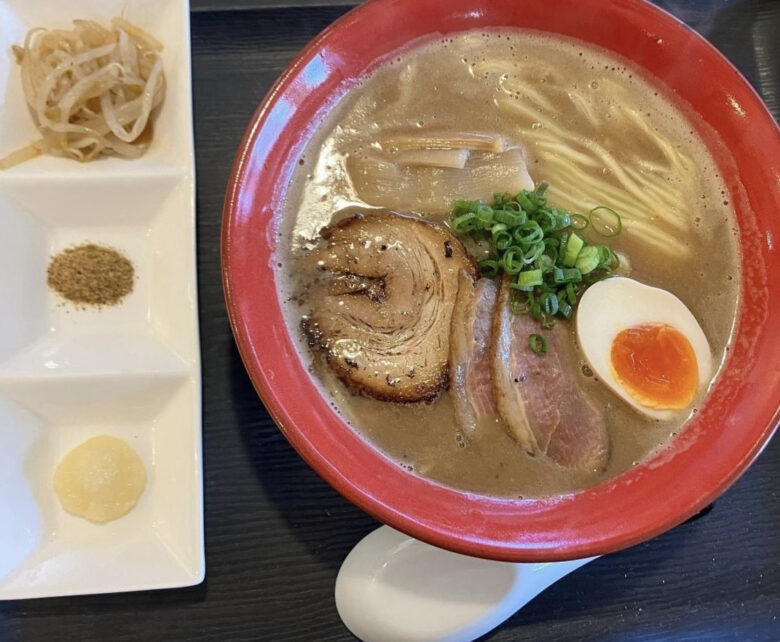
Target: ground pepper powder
<point>91,274</point>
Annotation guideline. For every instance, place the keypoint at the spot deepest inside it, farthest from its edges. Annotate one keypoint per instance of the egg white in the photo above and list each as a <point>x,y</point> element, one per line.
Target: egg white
<point>610,306</point>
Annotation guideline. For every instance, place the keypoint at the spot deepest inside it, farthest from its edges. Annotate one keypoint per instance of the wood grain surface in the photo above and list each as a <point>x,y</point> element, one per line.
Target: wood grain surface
<point>276,533</point>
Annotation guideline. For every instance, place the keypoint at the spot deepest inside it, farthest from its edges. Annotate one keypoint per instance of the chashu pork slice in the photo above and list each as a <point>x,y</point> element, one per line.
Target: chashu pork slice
<point>472,392</point>
<point>382,318</point>
<point>538,397</point>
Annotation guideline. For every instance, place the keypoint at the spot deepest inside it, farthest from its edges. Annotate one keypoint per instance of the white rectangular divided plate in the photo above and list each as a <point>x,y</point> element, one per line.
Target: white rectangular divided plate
<point>132,371</point>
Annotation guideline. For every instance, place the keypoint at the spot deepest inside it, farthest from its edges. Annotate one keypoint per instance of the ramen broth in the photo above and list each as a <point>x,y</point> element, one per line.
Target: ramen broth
<point>565,104</point>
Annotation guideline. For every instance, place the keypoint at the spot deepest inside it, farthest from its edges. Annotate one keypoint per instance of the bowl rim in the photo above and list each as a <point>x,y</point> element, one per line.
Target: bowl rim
<point>403,511</point>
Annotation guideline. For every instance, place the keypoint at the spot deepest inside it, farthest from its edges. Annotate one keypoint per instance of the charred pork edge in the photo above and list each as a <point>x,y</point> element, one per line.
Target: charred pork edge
<point>424,392</point>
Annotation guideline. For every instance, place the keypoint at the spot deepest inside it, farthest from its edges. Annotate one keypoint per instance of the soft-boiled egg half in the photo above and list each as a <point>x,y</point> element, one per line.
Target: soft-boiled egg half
<point>644,344</point>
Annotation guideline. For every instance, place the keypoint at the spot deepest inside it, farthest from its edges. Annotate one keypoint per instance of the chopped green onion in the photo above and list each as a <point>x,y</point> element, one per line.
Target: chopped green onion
<point>549,302</point>
<point>463,223</point>
<point>545,264</point>
<point>528,233</point>
<point>567,275</point>
<point>571,293</point>
<point>605,221</point>
<point>564,308</point>
<point>533,252</point>
<point>537,343</point>
<point>608,260</point>
<point>512,261</point>
<point>502,239</point>
<point>462,207</point>
<point>527,204</point>
<point>529,279</point>
<point>573,247</point>
<point>534,308</point>
<point>551,245</point>
<point>589,259</point>
<point>488,268</point>
<point>521,304</point>
<point>563,239</point>
<point>579,222</point>
<point>547,221</point>
<point>484,215</point>
<point>510,218</point>
<point>538,245</point>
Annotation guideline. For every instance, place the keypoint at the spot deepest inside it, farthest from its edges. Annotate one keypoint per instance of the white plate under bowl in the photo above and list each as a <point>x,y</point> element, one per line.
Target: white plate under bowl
<point>133,370</point>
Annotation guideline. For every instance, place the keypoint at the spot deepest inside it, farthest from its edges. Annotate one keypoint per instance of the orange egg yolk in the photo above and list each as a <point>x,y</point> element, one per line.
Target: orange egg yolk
<point>656,365</point>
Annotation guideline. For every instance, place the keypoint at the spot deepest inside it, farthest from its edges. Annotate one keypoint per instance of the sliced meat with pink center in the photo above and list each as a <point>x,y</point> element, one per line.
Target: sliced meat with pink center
<point>472,392</point>
<point>537,395</point>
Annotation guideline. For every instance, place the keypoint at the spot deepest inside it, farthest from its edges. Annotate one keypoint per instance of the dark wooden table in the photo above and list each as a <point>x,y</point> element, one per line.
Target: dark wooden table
<point>276,533</point>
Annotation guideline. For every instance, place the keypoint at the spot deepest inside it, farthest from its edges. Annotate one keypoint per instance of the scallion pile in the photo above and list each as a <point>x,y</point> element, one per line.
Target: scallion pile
<point>538,245</point>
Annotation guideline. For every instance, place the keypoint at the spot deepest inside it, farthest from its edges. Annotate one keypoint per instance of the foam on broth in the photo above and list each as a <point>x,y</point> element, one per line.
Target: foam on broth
<point>456,84</point>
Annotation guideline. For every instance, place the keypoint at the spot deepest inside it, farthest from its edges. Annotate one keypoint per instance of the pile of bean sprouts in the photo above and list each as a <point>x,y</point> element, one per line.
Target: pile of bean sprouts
<point>91,90</point>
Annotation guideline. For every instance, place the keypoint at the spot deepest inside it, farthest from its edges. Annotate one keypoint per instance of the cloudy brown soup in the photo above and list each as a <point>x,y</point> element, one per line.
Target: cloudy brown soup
<point>522,105</point>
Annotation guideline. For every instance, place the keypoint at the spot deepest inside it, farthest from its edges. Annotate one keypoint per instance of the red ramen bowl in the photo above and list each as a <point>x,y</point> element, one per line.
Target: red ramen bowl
<point>721,441</point>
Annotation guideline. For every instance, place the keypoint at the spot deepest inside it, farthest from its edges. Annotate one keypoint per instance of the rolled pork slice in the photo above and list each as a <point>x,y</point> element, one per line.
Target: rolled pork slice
<point>537,395</point>
<point>383,315</point>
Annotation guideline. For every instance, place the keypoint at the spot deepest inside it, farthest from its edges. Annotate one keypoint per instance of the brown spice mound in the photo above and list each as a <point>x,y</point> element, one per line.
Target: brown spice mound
<point>90,274</point>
